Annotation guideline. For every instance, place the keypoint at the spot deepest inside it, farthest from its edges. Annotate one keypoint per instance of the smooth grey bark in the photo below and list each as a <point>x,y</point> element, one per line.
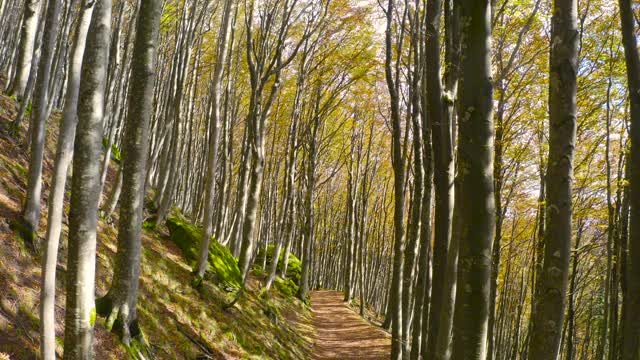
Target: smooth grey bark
<point>28,32</point>
<point>56,193</point>
<point>398,189</point>
<point>413,228</point>
<point>85,189</point>
<point>440,113</point>
<point>551,286</point>
<point>474,207</point>
<point>420,331</point>
<point>119,305</point>
<point>631,299</point>
<point>41,63</point>
<point>212,157</point>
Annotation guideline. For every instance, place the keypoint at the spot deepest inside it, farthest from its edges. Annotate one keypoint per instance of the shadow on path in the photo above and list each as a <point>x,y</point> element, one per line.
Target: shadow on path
<point>342,334</point>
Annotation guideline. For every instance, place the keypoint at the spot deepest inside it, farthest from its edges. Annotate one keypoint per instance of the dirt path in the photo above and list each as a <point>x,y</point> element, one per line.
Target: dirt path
<point>343,334</point>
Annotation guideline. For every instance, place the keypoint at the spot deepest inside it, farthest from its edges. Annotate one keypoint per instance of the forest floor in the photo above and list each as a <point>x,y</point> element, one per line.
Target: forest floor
<point>342,334</point>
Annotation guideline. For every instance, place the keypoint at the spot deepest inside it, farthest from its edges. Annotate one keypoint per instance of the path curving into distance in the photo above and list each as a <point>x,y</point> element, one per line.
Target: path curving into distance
<point>343,334</point>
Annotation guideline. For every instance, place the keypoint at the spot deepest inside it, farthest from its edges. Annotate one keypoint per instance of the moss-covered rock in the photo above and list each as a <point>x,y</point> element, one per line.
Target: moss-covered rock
<point>294,267</point>
<point>222,265</point>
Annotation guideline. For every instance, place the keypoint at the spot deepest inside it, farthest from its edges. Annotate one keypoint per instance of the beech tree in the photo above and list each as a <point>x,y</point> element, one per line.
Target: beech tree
<point>631,299</point>
<point>551,286</point>
<point>26,49</point>
<point>119,305</point>
<point>474,205</point>
<point>83,215</point>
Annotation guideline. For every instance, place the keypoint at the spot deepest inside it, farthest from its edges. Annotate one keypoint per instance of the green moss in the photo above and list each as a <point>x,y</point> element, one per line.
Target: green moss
<point>28,111</point>
<point>115,152</point>
<point>294,267</point>
<point>222,266</point>
<point>92,318</point>
<point>149,225</point>
<point>286,287</point>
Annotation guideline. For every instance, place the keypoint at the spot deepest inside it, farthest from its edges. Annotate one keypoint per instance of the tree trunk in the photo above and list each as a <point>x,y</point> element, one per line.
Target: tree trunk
<point>28,33</point>
<point>213,140</point>
<point>119,305</point>
<point>42,65</point>
<point>64,153</point>
<point>551,286</point>
<point>631,327</point>
<point>474,198</point>
<point>85,189</point>
<point>398,191</point>
<point>440,113</point>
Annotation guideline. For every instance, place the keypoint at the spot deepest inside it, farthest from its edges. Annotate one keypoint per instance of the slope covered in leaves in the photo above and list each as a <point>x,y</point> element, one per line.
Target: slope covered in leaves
<point>178,321</point>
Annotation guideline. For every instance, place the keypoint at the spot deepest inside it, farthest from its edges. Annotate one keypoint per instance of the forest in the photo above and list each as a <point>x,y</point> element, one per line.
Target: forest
<point>320,179</point>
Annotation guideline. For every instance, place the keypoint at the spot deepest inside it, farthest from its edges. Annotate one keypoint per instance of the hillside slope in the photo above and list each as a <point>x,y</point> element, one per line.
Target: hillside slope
<point>178,321</point>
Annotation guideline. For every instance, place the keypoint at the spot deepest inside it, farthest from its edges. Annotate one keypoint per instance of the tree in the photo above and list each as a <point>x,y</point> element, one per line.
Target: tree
<point>216,89</point>
<point>474,209</point>
<point>26,49</point>
<point>63,157</point>
<point>119,305</point>
<point>631,299</point>
<point>440,114</point>
<point>392,80</point>
<point>31,211</point>
<point>85,189</point>
<point>551,286</point>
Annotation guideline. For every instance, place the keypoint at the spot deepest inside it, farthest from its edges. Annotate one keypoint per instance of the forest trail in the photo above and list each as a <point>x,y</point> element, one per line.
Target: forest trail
<point>343,334</point>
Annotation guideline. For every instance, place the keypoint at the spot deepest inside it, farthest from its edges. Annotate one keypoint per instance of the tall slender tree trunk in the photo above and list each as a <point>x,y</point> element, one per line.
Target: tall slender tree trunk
<point>413,230</point>
<point>120,302</point>
<point>212,156</point>
<point>440,113</point>
<point>631,316</point>
<point>475,206</point>
<point>85,189</point>
<point>56,192</point>
<point>395,306</point>
<point>422,298</point>
<point>551,286</point>
<point>25,51</point>
<point>31,212</point>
